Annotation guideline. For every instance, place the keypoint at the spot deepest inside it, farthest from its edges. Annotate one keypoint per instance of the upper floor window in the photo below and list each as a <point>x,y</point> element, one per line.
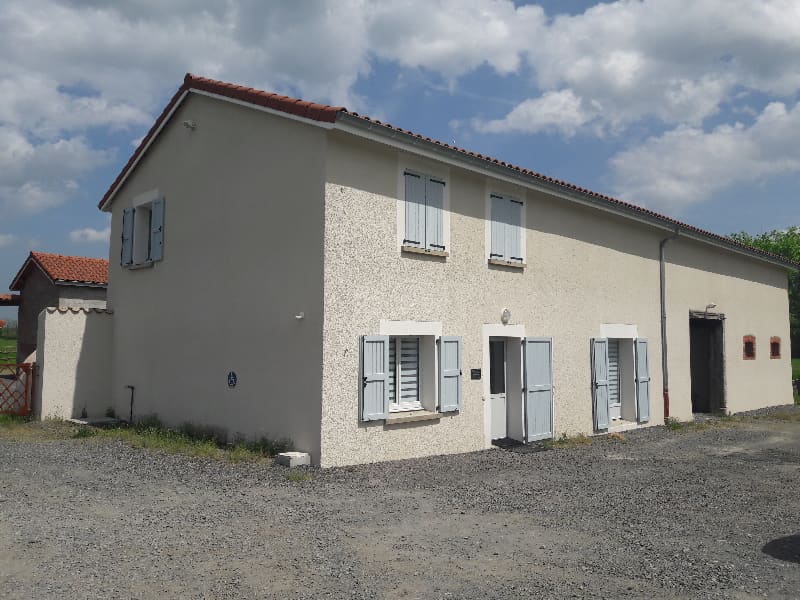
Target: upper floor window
<point>506,230</point>
<point>749,347</point>
<point>424,212</point>
<point>143,234</point>
<point>774,347</point>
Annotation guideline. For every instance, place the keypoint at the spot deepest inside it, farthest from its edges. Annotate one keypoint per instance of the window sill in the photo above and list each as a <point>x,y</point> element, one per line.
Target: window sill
<point>505,263</point>
<point>144,265</point>
<point>415,250</point>
<point>412,417</point>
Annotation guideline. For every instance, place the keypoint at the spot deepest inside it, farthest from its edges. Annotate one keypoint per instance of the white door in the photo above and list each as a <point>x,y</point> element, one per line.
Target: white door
<point>614,391</point>
<point>497,388</point>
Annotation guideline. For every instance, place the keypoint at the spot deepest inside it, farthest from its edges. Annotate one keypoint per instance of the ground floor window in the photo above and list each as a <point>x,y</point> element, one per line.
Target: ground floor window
<point>404,374</point>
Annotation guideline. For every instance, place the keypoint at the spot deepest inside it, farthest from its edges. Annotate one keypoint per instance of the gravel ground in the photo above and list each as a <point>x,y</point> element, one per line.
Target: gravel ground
<point>659,514</point>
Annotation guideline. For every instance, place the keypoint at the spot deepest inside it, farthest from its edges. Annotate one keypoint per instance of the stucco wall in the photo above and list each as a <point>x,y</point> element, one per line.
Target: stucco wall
<point>72,296</point>
<point>37,293</point>
<point>584,268</point>
<point>74,362</point>
<point>243,239</point>
<point>753,297</point>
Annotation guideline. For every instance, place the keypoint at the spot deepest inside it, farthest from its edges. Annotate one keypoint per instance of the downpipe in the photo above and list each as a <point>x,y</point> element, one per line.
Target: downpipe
<point>663,290</point>
<point>132,389</point>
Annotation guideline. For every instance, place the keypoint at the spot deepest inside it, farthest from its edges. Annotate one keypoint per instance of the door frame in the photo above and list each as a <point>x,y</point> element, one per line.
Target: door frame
<point>711,316</point>
<point>514,335</point>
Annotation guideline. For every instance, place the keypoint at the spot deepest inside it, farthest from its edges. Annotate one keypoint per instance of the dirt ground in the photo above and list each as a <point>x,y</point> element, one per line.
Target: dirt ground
<point>693,513</point>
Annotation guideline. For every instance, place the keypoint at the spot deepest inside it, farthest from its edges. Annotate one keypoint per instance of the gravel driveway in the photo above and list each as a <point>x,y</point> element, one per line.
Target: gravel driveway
<point>659,514</point>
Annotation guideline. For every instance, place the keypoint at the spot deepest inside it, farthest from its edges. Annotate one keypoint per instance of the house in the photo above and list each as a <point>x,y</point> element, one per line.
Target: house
<point>389,296</point>
<point>52,280</point>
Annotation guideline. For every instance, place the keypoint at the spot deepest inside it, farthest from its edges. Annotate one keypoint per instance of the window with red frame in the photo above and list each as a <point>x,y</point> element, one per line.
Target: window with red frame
<point>774,347</point>
<point>749,347</point>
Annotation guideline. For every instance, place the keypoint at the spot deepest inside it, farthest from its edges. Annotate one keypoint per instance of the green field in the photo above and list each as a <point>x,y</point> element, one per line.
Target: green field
<point>796,368</point>
<point>8,350</point>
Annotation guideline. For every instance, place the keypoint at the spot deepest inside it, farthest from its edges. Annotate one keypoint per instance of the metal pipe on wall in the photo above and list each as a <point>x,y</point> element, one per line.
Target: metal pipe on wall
<point>663,285</point>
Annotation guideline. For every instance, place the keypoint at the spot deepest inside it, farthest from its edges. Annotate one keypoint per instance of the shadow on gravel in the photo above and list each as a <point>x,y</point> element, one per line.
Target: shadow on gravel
<point>785,548</point>
<point>518,447</point>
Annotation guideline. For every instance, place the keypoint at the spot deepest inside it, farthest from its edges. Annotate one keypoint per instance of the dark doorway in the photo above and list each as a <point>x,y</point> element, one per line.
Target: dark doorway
<point>706,363</point>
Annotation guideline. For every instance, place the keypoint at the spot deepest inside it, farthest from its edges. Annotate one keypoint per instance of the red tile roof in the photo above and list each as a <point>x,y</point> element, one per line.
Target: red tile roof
<point>330,114</point>
<point>66,269</point>
<point>9,299</point>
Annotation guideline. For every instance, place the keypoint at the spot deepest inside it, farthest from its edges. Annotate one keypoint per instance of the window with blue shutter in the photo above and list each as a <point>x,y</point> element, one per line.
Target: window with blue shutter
<point>642,381</point>
<point>506,229</point>
<point>600,383</point>
<point>449,374</point>
<point>404,374</point>
<point>424,212</point>
<point>374,377</point>
<point>126,253</point>
<point>538,377</point>
<point>157,230</point>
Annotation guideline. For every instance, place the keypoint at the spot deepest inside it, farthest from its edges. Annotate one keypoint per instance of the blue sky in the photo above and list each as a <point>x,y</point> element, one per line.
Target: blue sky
<point>687,107</point>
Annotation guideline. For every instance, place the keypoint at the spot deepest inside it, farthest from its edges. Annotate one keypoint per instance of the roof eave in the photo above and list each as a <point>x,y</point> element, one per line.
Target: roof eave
<point>357,125</point>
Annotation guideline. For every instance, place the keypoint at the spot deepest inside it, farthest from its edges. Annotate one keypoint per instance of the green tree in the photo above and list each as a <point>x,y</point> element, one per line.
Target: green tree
<point>785,243</point>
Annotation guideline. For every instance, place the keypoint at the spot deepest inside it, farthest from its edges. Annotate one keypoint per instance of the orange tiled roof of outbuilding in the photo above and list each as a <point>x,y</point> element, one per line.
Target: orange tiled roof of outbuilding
<point>66,269</point>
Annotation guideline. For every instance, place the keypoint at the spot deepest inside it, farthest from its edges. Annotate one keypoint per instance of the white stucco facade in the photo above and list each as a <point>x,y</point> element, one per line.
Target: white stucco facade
<point>283,246</point>
<point>74,363</point>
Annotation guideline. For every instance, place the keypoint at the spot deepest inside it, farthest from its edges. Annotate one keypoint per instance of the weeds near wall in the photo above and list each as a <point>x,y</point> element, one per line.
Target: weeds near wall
<point>567,442</point>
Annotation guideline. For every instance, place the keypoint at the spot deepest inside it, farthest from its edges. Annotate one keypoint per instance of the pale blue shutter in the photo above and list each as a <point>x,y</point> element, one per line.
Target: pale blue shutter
<point>434,215</point>
<point>600,382</point>
<point>157,230</point>
<point>374,377</point>
<point>126,253</point>
<point>538,388</point>
<point>498,233</point>
<point>415,211</point>
<point>642,381</point>
<point>449,374</point>
<point>514,230</point>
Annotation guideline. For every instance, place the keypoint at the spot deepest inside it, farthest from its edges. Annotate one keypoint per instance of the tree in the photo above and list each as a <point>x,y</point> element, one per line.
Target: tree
<point>785,243</point>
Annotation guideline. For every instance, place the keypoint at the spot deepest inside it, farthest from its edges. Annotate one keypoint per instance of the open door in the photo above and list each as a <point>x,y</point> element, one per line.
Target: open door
<point>600,383</point>
<point>538,367</point>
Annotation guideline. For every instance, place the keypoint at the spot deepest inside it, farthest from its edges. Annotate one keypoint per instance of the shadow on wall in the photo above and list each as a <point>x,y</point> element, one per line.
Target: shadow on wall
<point>785,548</point>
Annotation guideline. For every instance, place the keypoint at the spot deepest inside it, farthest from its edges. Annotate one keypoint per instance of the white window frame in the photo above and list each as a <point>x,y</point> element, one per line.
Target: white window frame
<point>423,168</point>
<point>397,405</point>
<point>514,194</point>
<point>142,220</point>
<point>428,333</point>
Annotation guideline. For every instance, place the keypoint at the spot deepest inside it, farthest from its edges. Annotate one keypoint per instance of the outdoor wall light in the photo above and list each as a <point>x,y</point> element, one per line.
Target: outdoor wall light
<point>300,316</point>
<point>709,306</point>
<point>505,317</point>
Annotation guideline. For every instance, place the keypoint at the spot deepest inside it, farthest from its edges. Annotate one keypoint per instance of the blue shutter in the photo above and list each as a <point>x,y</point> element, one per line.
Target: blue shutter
<point>126,253</point>
<point>434,215</point>
<point>498,233</point>
<point>157,230</point>
<point>538,388</point>
<point>642,381</point>
<point>415,211</point>
<point>600,383</point>
<point>449,374</point>
<point>514,231</point>
<point>374,377</point>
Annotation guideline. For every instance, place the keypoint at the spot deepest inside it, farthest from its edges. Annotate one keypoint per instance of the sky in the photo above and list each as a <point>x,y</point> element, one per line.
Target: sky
<point>688,107</point>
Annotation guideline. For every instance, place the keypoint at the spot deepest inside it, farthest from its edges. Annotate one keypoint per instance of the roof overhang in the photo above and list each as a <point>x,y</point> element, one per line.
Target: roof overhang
<point>9,299</point>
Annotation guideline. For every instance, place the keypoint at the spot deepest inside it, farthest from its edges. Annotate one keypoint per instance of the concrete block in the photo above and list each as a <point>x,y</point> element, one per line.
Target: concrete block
<point>294,459</point>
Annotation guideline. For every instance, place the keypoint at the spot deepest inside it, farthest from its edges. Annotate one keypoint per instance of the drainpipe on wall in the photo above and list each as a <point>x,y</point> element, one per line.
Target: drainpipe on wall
<point>663,281</point>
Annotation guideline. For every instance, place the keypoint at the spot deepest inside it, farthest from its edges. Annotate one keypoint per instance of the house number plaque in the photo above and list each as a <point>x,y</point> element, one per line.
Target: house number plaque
<point>474,373</point>
<point>232,379</point>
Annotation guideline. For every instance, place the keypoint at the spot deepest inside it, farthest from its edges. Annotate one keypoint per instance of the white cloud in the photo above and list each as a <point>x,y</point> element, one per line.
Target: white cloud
<point>687,165</point>
<point>677,61</point>
<point>6,239</point>
<point>38,176</point>
<point>88,234</point>
<point>560,111</point>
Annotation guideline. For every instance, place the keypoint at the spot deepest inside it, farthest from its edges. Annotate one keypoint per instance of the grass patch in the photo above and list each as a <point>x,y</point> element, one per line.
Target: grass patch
<point>567,442</point>
<point>795,368</point>
<point>298,476</point>
<point>617,437</point>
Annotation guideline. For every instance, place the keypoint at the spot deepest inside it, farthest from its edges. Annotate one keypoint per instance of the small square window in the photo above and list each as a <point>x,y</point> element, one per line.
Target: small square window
<point>749,347</point>
<point>774,347</point>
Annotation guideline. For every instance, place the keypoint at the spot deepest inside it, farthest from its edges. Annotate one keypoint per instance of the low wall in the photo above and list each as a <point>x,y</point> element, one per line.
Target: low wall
<point>74,358</point>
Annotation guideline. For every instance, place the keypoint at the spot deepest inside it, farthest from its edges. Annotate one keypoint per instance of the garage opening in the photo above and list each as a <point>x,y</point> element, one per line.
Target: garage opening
<point>706,363</point>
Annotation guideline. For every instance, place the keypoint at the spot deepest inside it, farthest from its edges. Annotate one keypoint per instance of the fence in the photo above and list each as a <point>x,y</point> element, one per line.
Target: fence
<point>15,389</point>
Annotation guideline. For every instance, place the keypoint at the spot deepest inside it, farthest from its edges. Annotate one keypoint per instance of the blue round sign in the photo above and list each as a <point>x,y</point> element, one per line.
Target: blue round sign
<point>232,379</point>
